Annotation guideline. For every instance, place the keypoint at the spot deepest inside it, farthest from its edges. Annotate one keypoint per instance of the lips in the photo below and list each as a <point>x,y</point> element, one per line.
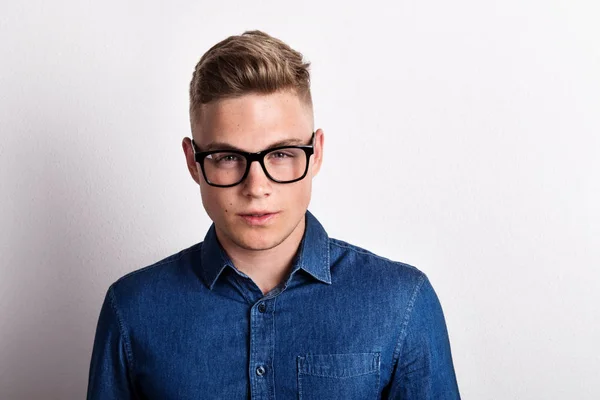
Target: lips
<point>256,213</point>
<point>259,217</point>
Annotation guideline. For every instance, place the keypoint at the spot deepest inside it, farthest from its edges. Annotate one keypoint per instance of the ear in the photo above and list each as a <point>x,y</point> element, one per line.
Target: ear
<point>318,151</point>
<point>192,166</point>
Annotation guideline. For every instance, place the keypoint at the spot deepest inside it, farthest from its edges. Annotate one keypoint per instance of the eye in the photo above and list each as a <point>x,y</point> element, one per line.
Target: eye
<point>229,157</point>
<point>224,158</point>
<point>280,155</point>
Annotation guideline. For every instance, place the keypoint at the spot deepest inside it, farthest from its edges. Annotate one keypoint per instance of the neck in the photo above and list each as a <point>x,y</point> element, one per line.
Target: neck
<point>267,268</point>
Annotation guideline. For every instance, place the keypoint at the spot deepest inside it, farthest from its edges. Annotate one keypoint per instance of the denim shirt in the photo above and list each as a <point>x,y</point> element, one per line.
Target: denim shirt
<point>344,324</point>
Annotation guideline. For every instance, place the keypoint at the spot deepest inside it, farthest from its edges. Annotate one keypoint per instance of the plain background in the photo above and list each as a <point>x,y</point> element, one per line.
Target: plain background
<point>461,137</point>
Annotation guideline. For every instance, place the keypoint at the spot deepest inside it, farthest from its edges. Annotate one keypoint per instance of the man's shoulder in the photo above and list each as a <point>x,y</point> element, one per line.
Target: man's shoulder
<point>168,271</point>
<point>350,256</point>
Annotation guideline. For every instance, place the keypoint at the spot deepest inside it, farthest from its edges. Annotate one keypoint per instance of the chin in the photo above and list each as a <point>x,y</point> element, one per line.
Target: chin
<point>256,241</point>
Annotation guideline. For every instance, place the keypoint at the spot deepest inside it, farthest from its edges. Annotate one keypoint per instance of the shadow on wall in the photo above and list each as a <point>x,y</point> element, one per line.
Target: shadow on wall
<point>60,215</point>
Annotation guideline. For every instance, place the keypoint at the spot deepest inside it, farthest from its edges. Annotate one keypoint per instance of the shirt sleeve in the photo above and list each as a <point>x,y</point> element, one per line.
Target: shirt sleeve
<point>424,368</point>
<point>110,367</point>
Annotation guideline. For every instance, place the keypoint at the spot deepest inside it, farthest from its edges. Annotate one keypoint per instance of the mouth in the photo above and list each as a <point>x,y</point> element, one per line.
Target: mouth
<point>257,218</point>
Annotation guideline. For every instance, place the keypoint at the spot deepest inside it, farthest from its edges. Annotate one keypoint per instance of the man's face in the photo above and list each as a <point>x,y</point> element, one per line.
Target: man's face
<point>252,123</point>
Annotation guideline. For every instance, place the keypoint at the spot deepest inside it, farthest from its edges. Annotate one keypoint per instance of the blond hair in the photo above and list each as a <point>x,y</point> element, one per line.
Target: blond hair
<point>253,62</point>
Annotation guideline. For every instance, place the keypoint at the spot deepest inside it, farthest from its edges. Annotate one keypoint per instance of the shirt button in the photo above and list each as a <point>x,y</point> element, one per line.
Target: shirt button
<point>262,308</point>
<point>260,371</point>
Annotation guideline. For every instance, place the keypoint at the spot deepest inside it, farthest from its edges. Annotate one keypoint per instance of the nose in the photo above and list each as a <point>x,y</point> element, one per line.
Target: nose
<point>257,183</point>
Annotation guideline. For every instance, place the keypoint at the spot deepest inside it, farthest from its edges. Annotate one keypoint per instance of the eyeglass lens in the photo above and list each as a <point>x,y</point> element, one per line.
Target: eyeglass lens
<point>282,165</point>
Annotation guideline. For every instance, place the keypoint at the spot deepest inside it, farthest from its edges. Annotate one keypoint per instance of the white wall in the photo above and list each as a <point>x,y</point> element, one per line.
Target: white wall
<point>477,126</point>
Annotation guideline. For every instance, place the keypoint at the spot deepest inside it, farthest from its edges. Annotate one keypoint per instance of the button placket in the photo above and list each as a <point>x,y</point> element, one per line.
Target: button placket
<point>261,349</point>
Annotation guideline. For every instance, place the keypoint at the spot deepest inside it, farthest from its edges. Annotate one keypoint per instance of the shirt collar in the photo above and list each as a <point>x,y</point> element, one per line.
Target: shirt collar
<point>312,255</point>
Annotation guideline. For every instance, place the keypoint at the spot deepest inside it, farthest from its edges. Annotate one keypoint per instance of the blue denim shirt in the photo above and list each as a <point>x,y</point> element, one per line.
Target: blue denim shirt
<point>344,324</point>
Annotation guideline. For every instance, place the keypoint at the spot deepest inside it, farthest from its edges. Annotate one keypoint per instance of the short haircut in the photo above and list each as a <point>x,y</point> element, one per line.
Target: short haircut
<point>253,62</point>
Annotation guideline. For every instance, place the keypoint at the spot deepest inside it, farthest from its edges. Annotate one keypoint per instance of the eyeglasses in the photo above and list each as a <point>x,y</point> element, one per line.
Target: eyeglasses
<point>226,168</point>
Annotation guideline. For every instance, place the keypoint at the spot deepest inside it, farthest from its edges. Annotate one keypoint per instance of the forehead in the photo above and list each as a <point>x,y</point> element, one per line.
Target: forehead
<point>253,121</point>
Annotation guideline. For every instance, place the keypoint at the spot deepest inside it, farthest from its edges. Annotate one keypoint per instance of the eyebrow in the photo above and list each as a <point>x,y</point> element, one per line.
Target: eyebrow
<point>226,146</point>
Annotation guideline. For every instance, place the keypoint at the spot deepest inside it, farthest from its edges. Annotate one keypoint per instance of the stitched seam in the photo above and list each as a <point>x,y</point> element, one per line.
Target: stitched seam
<point>375,365</point>
<point>299,372</point>
<point>341,354</point>
<point>347,246</point>
<point>168,260</point>
<point>273,344</point>
<point>378,374</point>
<point>341,377</point>
<point>123,332</point>
<point>328,270</point>
<point>407,316</point>
<point>253,352</point>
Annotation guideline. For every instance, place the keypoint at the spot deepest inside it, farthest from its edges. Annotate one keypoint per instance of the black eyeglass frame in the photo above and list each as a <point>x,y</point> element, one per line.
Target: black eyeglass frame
<point>199,156</point>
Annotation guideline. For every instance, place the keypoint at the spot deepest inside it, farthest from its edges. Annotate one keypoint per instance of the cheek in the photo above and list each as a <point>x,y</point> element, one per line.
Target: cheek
<point>300,195</point>
<point>215,201</point>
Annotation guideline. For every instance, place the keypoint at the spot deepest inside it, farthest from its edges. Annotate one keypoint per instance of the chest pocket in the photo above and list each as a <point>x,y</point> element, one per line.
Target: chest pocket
<point>338,376</point>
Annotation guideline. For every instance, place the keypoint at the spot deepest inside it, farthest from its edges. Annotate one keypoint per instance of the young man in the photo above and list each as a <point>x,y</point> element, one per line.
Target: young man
<point>267,306</point>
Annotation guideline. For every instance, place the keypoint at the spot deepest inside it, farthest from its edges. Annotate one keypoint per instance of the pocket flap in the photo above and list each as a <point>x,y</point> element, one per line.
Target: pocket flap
<point>338,365</point>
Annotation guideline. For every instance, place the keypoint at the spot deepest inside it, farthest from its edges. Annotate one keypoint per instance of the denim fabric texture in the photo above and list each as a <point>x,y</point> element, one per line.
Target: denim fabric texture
<point>344,324</point>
